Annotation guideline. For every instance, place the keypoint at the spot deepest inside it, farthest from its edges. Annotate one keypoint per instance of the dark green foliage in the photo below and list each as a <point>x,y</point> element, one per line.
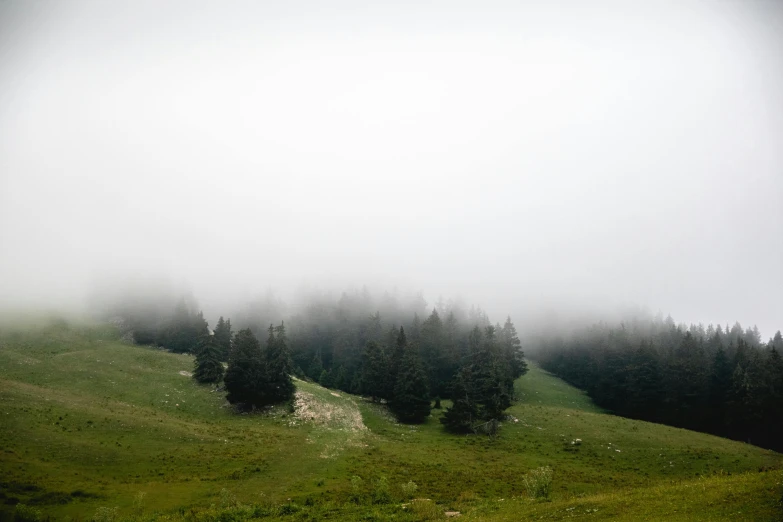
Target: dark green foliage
<point>208,367</point>
<point>246,376</point>
<point>374,375</point>
<point>463,413</point>
<point>325,379</point>
<point>339,378</point>
<point>397,344</point>
<point>481,392</point>
<point>721,381</point>
<point>280,386</point>
<point>315,368</point>
<point>432,353</point>
<point>490,385</point>
<point>411,402</point>
<point>184,330</point>
<point>222,336</point>
<point>511,350</point>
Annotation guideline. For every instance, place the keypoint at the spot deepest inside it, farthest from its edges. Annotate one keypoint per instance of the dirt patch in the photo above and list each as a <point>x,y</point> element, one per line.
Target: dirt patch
<point>185,374</point>
<point>308,408</point>
<point>340,423</point>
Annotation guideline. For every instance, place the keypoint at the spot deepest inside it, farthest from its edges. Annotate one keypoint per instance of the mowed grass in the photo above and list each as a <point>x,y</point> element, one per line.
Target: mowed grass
<point>87,421</point>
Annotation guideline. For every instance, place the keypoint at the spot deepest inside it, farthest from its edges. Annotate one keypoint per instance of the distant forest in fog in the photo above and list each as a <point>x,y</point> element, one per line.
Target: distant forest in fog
<point>721,380</point>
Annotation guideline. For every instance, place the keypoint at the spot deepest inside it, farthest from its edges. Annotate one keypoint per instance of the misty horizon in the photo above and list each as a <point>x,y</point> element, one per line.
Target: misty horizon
<point>528,159</point>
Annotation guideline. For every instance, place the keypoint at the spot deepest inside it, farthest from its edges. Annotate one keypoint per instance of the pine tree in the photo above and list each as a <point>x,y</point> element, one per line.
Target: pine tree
<point>432,352</point>
<point>411,402</point>
<point>395,358</point>
<point>644,384</point>
<point>208,367</point>
<point>246,376</point>
<point>280,386</point>
<point>511,347</point>
<point>340,378</point>
<point>462,415</point>
<point>315,368</point>
<point>222,336</point>
<point>719,385</point>
<point>374,372</point>
<point>325,379</point>
<point>492,394</point>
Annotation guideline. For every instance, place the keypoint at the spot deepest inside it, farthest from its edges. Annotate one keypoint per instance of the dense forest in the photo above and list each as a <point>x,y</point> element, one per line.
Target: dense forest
<point>724,381</point>
<point>391,355</point>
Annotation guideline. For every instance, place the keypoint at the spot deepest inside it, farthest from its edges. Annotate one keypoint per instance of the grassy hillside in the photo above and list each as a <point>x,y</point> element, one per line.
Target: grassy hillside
<point>87,422</point>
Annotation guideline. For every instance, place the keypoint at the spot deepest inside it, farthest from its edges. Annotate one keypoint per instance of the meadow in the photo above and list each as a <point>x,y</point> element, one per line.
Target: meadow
<point>94,428</point>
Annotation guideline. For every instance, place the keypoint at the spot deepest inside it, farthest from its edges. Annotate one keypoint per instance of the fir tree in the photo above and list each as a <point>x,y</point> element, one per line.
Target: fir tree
<point>511,348</point>
<point>374,372</point>
<point>395,358</point>
<point>719,385</point>
<point>492,394</point>
<point>325,379</point>
<point>461,416</point>
<point>315,368</point>
<point>208,367</point>
<point>246,376</point>
<point>222,336</point>
<point>278,365</point>
<point>411,402</point>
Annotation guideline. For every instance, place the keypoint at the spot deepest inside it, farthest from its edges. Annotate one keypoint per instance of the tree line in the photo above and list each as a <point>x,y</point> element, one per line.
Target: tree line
<point>723,381</point>
<point>407,364</point>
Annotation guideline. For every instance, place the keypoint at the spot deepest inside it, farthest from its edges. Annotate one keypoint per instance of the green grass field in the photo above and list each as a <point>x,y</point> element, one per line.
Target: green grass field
<point>89,424</point>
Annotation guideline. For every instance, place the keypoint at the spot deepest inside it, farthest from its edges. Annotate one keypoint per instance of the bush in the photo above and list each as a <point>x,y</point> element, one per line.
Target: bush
<point>381,494</point>
<point>409,489</point>
<point>25,513</point>
<point>356,488</point>
<point>538,482</point>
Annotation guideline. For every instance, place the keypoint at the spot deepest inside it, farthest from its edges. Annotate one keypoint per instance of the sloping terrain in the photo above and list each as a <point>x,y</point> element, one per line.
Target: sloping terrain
<point>89,422</point>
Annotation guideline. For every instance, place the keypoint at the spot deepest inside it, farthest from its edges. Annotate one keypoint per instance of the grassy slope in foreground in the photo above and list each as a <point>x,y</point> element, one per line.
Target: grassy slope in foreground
<point>86,421</point>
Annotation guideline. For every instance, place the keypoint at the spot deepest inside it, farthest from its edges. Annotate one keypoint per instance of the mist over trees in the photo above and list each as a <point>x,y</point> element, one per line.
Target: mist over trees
<point>721,380</point>
<point>392,349</point>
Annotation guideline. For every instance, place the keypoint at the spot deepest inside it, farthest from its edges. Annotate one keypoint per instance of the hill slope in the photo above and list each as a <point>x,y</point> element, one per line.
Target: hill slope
<point>88,421</point>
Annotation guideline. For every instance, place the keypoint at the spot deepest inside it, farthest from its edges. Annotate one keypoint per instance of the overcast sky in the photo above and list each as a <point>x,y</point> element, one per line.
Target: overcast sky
<point>575,155</point>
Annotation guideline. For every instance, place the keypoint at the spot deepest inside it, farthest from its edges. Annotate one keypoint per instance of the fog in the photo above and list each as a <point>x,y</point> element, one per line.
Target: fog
<point>562,158</point>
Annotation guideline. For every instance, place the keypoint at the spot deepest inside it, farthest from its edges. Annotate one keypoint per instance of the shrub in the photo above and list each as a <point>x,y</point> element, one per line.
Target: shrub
<point>409,489</point>
<point>538,482</point>
<point>356,488</point>
<point>381,494</point>
<point>25,513</point>
<point>425,509</point>
<point>227,499</point>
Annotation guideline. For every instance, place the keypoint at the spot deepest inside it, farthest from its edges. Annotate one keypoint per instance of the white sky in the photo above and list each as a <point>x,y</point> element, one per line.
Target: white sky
<point>523,155</point>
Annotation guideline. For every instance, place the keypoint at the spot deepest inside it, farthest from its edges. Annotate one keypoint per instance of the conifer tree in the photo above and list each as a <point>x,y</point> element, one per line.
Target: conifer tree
<point>511,348</point>
<point>490,385</point>
<point>432,352</point>
<point>374,372</point>
<point>719,385</point>
<point>325,379</point>
<point>246,377</point>
<point>395,358</point>
<point>411,402</point>
<point>280,386</point>
<point>208,367</point>
<point>462,415</point>
<point>222,336</point>
<point>315,368</point>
